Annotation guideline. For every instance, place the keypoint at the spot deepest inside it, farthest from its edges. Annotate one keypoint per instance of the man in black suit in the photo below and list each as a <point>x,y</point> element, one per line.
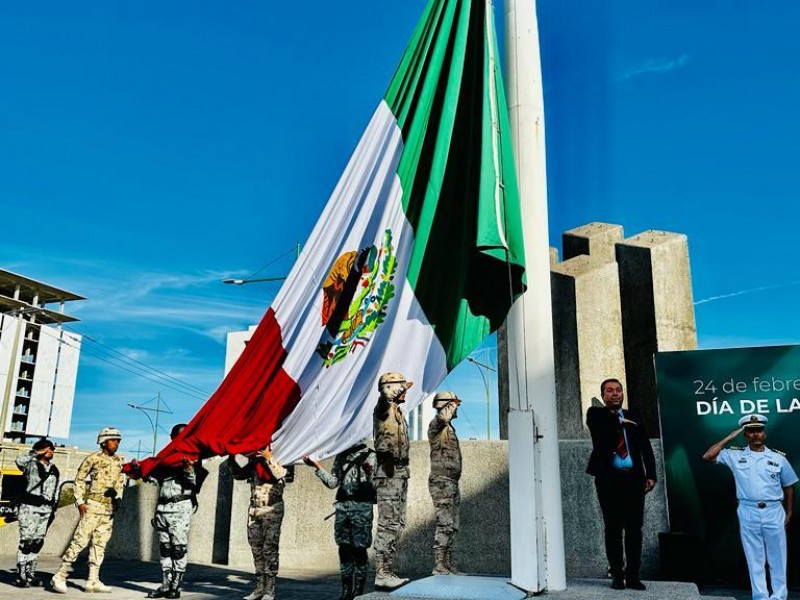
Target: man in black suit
<point>624,470</point>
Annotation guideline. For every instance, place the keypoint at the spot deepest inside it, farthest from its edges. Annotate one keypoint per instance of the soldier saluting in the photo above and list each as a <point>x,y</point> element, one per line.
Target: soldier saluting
<point>390,430</point>
<point>764,490</point>
<point>36,509</point>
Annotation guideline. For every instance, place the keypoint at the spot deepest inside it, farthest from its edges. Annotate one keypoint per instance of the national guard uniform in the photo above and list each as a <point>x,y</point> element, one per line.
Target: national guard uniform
<point>390,430</point>
<point>37,508</point>
<point>176,503</point>
<point>264,519</point>
<point>443,480</point>
<point>102,472</point>
<point>352,474</point>
<point>760,481</point>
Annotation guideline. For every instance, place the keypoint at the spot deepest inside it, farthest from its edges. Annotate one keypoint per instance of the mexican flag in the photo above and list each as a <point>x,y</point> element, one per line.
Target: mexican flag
<point>416,258</point>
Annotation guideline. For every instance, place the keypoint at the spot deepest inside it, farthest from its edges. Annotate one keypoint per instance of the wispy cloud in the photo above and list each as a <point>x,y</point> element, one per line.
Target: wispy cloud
<point>761,288</point>
<point>655,66</point>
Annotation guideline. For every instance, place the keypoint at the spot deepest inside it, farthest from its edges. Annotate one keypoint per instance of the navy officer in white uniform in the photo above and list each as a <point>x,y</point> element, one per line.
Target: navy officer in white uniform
<point>764,489</point>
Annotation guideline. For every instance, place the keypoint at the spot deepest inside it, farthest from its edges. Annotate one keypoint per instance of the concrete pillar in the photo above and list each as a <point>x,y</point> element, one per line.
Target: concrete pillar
<point>587,327</point>
<point>657,311</point>
<point>594,239</point>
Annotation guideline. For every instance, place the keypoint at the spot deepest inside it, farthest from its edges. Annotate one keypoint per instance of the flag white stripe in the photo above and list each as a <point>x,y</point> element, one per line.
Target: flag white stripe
<point>335,410</point>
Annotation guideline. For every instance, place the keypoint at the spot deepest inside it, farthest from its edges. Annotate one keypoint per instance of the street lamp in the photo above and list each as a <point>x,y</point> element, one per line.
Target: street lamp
<point>481,366</point>
<point>256,280</point>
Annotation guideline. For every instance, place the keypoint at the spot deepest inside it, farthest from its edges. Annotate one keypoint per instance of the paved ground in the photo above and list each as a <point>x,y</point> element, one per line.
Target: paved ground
<point>132,580</point>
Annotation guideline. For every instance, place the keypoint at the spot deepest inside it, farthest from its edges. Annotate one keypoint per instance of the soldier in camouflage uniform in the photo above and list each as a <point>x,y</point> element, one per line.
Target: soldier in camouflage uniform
<point>37,508</point>
<point>390,430</point>
<point>267,481</point>
<point>97,501</point>
<point>352,474</point>
<point>177,491</point>
<point>443,480</point>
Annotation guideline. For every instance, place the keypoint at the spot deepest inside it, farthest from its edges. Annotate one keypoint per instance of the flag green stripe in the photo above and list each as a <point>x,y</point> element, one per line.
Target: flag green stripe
<point>463,276</point>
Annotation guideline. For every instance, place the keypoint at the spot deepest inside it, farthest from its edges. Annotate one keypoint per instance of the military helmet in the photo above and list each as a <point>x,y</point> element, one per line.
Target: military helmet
<point>387,378</point>
<point>108,433</point>
<point>442,399</point>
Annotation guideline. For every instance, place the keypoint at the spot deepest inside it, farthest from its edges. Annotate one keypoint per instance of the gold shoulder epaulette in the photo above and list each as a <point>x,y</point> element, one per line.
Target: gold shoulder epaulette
<point>735,448</point>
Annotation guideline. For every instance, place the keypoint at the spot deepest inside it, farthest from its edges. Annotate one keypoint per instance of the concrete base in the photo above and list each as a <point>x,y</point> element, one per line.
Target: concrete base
<point>498,588</point>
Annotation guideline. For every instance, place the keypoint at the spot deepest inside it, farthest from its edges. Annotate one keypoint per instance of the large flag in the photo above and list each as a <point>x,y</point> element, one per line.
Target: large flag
<point>417,257</point>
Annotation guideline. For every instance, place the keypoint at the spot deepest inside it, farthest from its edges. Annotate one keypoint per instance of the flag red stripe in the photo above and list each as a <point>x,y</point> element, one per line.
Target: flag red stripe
<point>246,410</point>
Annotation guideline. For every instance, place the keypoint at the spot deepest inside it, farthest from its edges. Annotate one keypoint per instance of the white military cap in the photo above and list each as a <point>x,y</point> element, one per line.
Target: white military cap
<point>753,421</point>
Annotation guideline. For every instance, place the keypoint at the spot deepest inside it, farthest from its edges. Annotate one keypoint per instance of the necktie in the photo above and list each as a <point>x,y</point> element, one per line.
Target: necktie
<point>622,447</point>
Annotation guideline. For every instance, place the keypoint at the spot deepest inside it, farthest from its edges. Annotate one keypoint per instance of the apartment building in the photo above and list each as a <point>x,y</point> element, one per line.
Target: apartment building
<point>38,359</point>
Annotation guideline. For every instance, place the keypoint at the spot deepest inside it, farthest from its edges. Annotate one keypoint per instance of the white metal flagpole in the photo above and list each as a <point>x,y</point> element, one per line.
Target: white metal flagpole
<point>537,533</point>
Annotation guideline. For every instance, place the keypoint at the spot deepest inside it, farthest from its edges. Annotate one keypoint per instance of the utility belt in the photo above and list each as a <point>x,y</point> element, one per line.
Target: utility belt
<point>100,499</point>
<point>35,500</point>
<point>365,492</point>
<point>761,504</point>
<point>175,499</point>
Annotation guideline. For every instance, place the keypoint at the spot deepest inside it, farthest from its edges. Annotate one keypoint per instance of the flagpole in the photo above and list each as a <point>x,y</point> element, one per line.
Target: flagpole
<point>537,533</point>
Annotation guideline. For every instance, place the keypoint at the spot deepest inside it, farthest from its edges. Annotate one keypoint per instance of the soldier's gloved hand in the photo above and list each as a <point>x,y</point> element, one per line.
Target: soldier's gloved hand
<point>110,493</point>
<point>187,464</point>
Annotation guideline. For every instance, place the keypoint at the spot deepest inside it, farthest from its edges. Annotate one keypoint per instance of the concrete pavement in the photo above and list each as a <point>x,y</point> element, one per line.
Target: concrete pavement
<point>133,579</point>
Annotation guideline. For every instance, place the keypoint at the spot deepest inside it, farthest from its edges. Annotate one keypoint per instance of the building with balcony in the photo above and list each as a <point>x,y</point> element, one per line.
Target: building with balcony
<point>38,359</point>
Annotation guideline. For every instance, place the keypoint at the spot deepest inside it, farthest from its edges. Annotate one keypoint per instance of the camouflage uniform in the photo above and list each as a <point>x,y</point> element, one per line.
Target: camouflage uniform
<point>101,495</point>
<point>443,484</point>
<point>176,501</point>
<point>352,530</point>
<point>265,516</point>
<point>36,511</point>
<point>391,480</point>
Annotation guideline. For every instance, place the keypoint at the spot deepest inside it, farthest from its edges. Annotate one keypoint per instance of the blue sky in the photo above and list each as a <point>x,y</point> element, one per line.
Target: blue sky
<point>148,150</point>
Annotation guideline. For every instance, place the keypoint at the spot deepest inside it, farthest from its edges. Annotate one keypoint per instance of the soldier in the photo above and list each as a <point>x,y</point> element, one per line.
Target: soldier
<point>352,474</point>
<point>97,501</point>
<point>177,498</point>
<point>265,515</point>
<point>443,480</point>
<point>765,493</point>
<point>37,508</point>
<point>391,475</point>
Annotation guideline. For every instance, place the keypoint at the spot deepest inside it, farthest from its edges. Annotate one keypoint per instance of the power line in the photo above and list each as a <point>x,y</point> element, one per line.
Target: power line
<point>151,374</point>
<point>133,360</point>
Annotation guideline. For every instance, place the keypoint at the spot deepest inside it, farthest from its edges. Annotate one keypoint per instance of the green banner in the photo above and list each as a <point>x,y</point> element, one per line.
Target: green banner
<point>702,394</point>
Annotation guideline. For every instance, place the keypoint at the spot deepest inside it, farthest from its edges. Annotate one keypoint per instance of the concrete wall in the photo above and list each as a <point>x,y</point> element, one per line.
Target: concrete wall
<point>482,545</point>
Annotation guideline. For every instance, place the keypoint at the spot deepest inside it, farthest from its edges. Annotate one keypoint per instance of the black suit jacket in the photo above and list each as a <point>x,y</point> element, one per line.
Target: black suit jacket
<point>604,426</point>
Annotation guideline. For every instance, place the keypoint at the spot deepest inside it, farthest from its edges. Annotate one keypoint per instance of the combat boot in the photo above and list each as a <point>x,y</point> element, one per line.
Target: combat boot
<point>440,556</point>
<point>93,584</point>
<point>175,585</point>
<point>359,582</point>
<point>347,587</point>
<point>161,591</point>
<point>269,587</point>
<point>384,577</point>
<point>59,581</point>
<point>30,573</point>
<point>22,579</point>
<point>257,593</point>
<point>448,561</point>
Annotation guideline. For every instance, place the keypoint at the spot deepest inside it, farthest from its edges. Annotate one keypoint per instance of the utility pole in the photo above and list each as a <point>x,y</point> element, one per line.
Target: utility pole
<point>157,410</point>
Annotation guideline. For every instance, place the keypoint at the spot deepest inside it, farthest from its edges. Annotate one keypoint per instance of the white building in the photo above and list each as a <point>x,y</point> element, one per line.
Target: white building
<point>38,359</point>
